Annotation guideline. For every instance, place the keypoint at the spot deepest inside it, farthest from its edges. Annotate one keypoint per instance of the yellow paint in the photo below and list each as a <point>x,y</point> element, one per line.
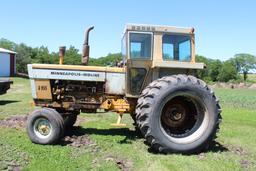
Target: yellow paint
<point>158,51</point>
<point>106,104</point>
<point>65,105</point>
<point>117,105</point>
<point>61,60</point>
<point>193,53</point>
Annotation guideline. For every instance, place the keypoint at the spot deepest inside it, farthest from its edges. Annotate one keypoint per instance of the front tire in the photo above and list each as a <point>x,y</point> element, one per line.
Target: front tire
<point>178,114</point>
<point>45,126</point>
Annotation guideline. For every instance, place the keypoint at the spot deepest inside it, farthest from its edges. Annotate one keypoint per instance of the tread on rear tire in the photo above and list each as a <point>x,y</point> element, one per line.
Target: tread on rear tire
<point>160,110</point>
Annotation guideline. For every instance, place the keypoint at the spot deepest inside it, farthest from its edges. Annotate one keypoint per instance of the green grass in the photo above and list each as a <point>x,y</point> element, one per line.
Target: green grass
<point>18,100</point>
<point>237,139</point>
<point>252,78</point>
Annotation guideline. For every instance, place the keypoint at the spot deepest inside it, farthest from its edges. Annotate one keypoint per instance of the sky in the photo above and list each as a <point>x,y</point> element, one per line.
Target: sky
<point>222,28</point>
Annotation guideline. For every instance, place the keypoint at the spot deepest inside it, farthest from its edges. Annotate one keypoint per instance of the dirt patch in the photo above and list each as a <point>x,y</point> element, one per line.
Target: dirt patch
<point>14,122</point>
<point>122,164</point>
<point>75,137</point>
<point>245,164</point>
<point>78,141</point>
<point>201,156</point>
<point>237,150</point>
<point>253,86</point>
<point>20,121</point>
<point>80,145</point>
<point>243,153</point>
<point>70,139</point>
<point>12,158</point>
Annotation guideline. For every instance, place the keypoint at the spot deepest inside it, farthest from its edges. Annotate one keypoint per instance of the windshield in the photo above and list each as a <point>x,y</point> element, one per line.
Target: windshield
<point>140,45</point>
<point>177,47</point>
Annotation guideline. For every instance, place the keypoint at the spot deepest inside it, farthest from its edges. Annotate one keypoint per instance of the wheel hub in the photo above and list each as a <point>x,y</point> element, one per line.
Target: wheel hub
<point>42,127</point>
<point>174,115</point>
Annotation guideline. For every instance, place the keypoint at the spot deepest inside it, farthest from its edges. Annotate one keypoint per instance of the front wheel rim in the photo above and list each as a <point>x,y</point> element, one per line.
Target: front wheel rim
<point>42,128</point>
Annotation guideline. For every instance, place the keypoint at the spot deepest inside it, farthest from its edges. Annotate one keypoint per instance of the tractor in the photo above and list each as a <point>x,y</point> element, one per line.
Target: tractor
<point>155,82</point>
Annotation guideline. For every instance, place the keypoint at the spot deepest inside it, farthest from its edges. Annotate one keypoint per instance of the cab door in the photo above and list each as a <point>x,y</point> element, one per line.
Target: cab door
<point>139,62</point>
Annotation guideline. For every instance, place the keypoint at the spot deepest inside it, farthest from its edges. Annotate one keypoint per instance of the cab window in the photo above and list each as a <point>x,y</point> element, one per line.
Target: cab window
<point>137,79</point>
<point>176,47</point>
<point>140,46</point>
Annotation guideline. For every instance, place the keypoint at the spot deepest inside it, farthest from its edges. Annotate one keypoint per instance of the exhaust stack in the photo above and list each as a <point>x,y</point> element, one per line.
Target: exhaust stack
<point>86,47</point>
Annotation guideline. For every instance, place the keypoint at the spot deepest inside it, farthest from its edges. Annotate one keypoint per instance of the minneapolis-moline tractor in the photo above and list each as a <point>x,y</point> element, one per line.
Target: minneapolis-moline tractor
<point>155,83</point>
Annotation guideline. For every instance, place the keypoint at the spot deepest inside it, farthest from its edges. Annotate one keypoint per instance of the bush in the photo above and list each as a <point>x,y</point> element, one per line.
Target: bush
<point>228,72</point>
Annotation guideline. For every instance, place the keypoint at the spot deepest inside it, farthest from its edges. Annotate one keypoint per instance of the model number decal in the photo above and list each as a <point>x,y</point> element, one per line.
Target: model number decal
<point>42,88</point>
<point>75,74</point>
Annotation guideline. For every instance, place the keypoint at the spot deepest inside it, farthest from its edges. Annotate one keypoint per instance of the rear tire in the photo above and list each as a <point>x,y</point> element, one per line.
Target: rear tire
<point>45,126</point>
<point>178,113</point>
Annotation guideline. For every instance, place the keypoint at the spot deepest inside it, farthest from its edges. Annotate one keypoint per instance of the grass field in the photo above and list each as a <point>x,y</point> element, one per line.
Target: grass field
<point>252,78</point>
<point>109,148</point>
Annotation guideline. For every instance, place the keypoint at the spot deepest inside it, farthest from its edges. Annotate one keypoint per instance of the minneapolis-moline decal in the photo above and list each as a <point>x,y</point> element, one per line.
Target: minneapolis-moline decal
<point>75,74</point>
<point>67,75</point>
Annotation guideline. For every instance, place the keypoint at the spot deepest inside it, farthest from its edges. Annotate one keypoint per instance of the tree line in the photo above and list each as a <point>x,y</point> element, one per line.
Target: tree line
<point>27,55</point>
<point>216,70</point>
<point>229,70</point>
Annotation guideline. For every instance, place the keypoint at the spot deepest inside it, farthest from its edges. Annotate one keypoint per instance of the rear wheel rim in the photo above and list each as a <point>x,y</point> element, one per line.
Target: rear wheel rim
<point>184,118</point>
<point>42,128</point>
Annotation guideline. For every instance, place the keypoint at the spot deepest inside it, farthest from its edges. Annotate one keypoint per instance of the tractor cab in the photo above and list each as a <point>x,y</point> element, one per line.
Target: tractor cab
<point>151,52</point>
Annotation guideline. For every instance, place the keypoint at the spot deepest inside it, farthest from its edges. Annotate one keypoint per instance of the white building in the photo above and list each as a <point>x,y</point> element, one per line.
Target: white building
<point>7,63</point>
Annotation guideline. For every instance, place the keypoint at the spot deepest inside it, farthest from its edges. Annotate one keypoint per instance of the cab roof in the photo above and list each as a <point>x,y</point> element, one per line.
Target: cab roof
<point>158,28</point>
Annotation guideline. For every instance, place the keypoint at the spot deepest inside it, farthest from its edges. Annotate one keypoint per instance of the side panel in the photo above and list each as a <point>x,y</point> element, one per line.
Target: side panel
<point>115,83</point>
<point>43,89</point>
<point>4,65</point>
<point>158,50</point>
